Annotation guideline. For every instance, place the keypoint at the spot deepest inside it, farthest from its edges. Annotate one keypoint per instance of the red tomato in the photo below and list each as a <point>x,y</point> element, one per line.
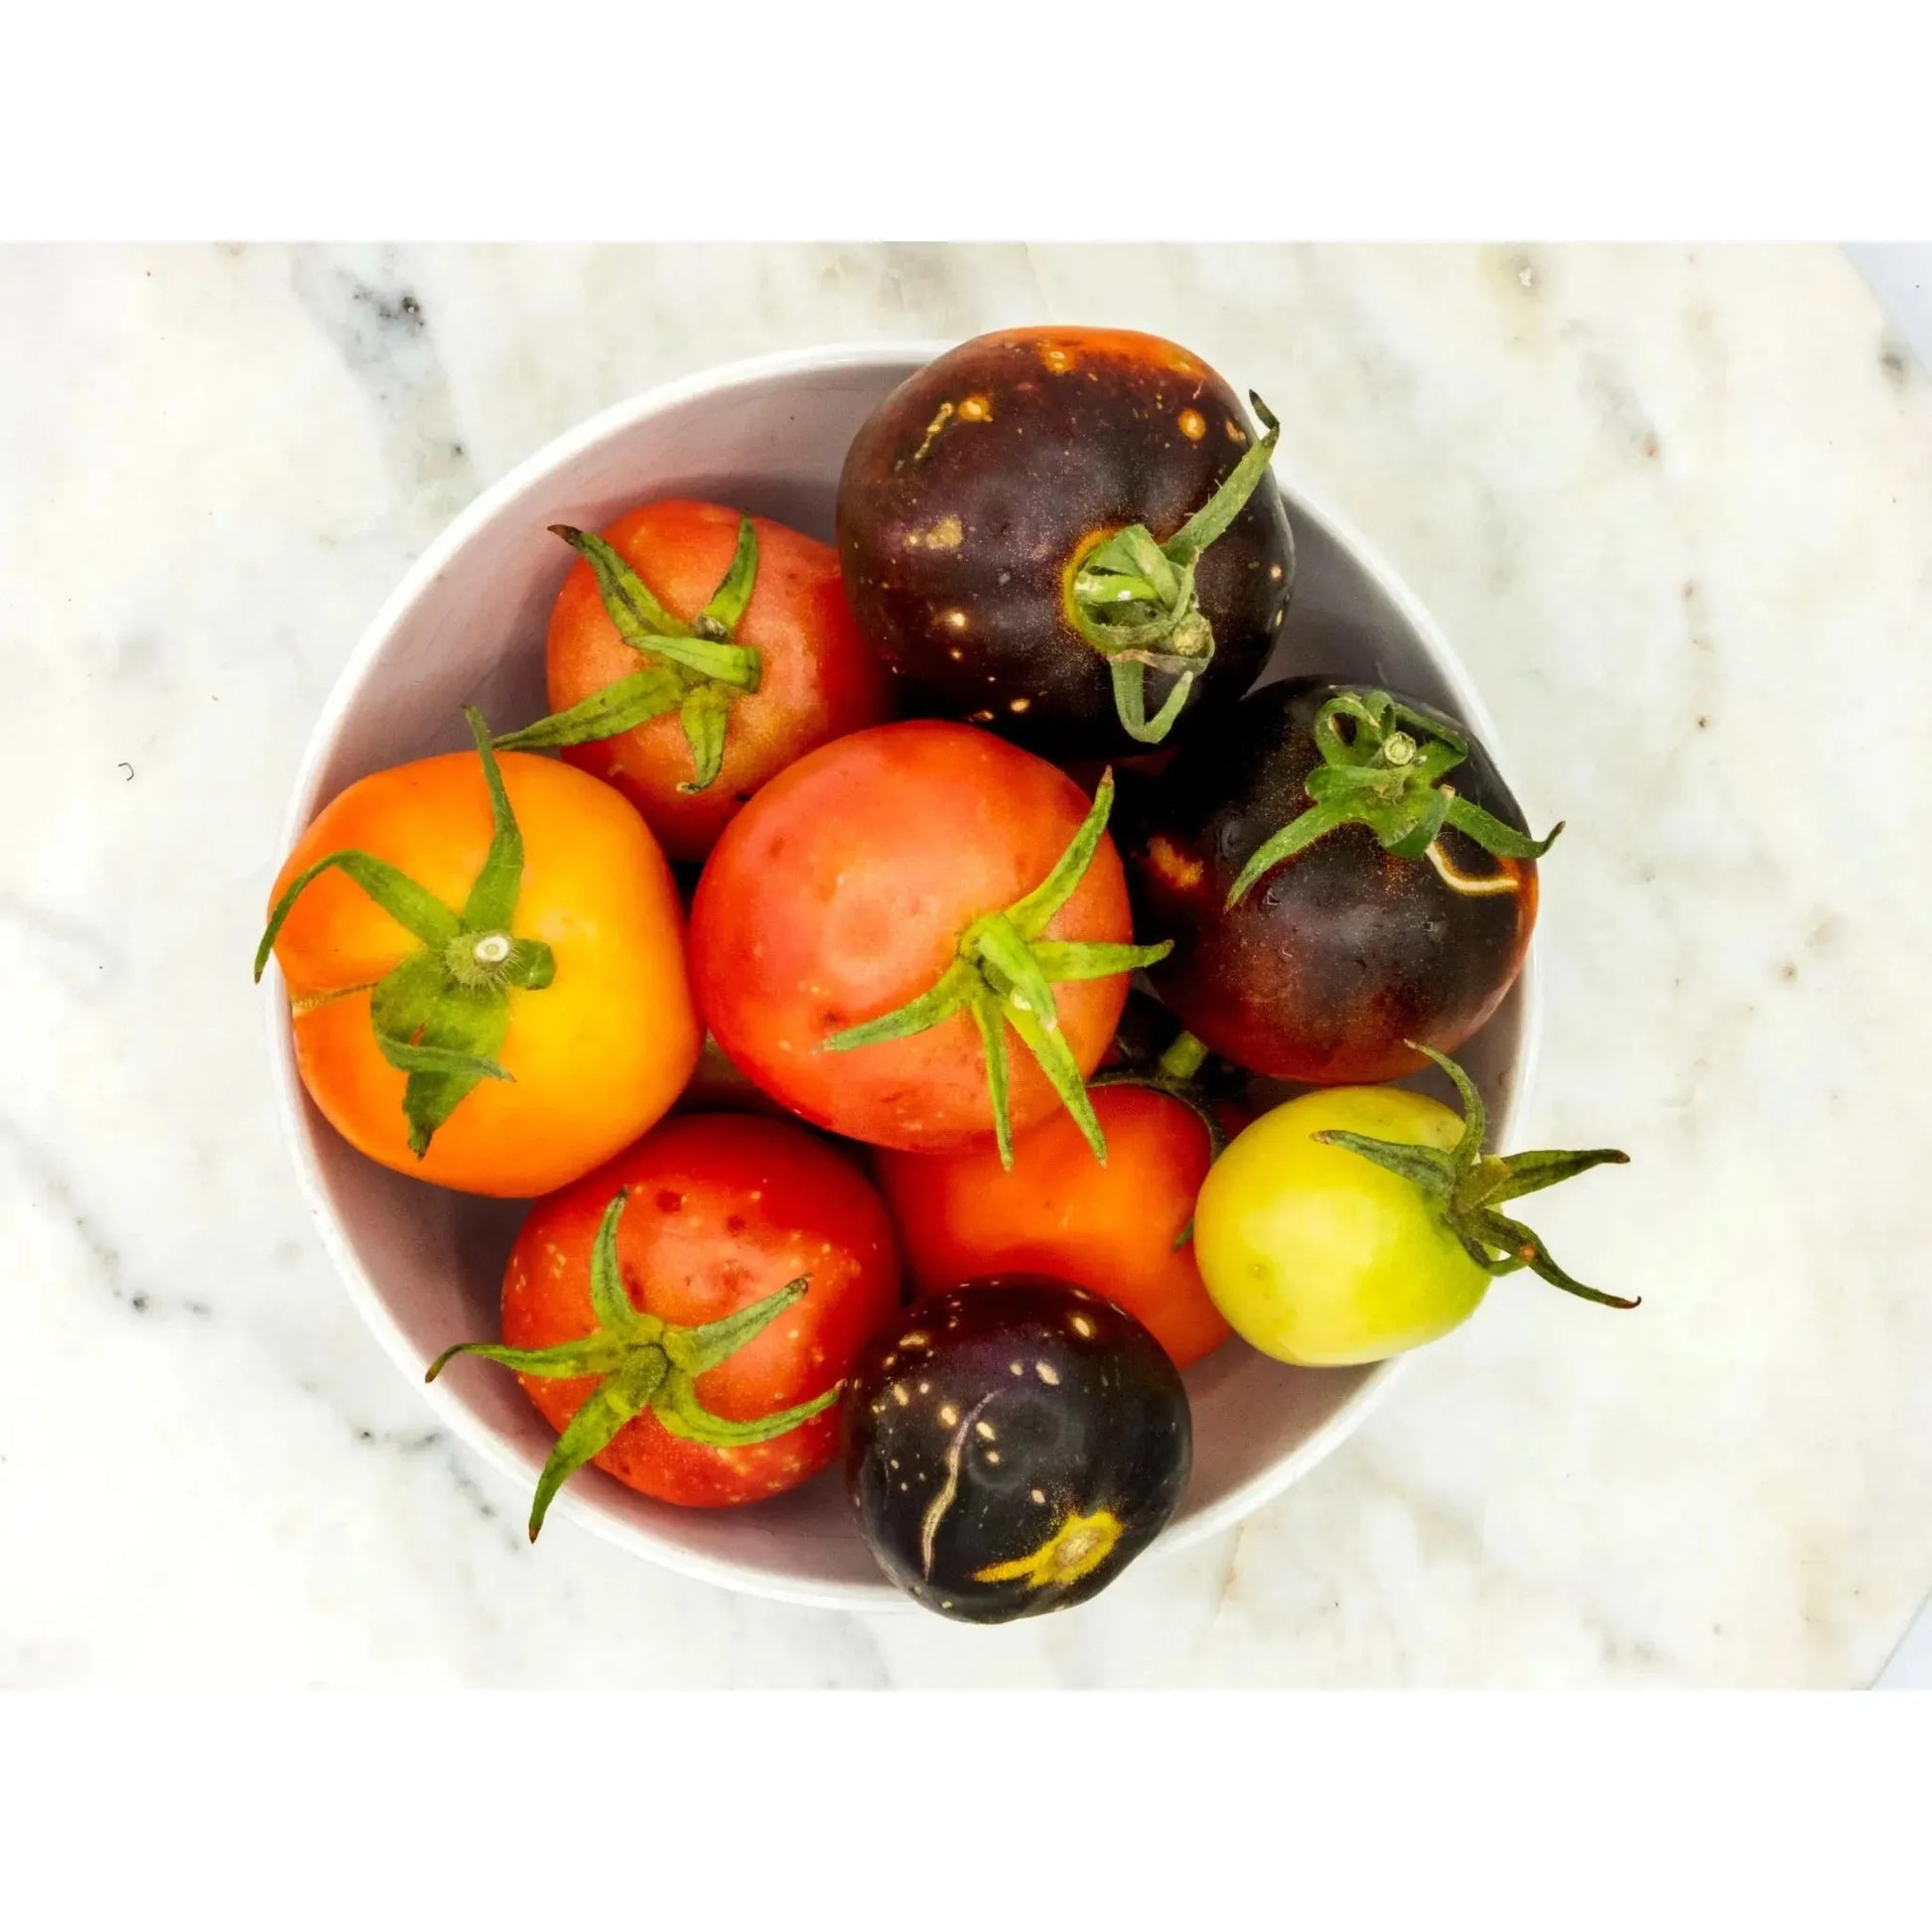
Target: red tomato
<point>819,677</point>
<point>845,892</point>
<point>1058,1211</point>
<point>720,1216</point>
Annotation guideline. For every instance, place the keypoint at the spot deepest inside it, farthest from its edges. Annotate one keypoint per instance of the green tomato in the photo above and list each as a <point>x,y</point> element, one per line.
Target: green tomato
<point>1317,1256</point>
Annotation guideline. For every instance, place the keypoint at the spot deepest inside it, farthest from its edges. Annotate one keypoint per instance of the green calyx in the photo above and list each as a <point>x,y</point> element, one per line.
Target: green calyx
<point>693,669</point>
<point>1467,1187</point>
<point>441,1015</point>
<point>1135,601</point>
<point>1387,774</point>
<point>641,1362</point>
<point>1003,974</point>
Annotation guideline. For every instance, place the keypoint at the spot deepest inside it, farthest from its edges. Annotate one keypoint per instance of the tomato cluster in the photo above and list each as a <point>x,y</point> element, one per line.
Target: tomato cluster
<point>852,1144</point>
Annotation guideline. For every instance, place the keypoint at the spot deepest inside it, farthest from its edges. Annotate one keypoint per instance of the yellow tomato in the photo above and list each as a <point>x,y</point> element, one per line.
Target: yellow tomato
<point>1316,1255</point>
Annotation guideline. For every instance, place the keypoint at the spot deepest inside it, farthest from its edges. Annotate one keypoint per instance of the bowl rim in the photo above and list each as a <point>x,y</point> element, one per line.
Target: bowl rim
<point>299,1129</point>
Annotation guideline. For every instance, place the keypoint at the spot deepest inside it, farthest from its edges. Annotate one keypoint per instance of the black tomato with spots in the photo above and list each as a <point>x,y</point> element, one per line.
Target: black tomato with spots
<point>1070,536</point>
<point>1343,873</point>
<point>1011,1445</point>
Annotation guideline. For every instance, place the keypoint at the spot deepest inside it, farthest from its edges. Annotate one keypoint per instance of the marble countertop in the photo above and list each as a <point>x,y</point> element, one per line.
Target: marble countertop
<point>1675,509</point>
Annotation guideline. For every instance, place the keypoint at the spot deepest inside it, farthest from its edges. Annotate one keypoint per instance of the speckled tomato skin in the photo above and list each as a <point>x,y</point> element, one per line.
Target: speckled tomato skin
<point>1095,1420</point>
<point>1338,955</point>
<point>840,893</point>
<point>723,1209</point>
<point>958,544</point>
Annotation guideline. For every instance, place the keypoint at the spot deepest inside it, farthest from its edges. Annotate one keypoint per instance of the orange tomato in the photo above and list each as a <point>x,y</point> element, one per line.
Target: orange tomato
<point>592,1058</point>
<point>961,1216</point>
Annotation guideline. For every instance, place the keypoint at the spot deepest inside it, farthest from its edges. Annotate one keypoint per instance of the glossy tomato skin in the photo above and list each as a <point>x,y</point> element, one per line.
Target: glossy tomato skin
<point>594,1059</point>
<point>820,678</point>
<point>1338,955</point>
<point>721,1211</point>
<point>972,491</point>
<point>840,894</point>
<point>1011,1447</point>
<point>1057,1211</point>
<point>1319,1257</point>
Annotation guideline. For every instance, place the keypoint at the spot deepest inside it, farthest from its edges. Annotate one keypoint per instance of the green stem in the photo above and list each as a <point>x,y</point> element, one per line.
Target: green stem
<point>441,1014</point>
<point>1389,776</point>
<point>693,669</point>
<point>1183,1058</point>
<point>1462,1186</point>
<point>1135,600</point>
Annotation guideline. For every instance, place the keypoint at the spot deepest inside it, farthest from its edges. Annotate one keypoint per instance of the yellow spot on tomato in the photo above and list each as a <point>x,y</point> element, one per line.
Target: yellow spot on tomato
<point>1180,870</point>
<point>1048,1373</point>
<point>1077,1548</point>
<point>1014,1368</point>
<point>1193,425</point>
<point>932,429</point>
<point>1038,1495</point>
<point>948,1414</point>
<point>985,1429</point>
<point>976,409</point>
<point>947,535</point>
<point>1080,1326</point>
<point>1021,704</point>
<point>900,1396</point>
<point>953,619</point>
<point>1059,359</point>
<point>1470,884</point>
<point>1236,433</point>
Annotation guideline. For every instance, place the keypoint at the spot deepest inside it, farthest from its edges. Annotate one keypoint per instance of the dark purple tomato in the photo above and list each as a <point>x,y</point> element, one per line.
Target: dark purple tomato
<point>1011,1445</point>
<point>1016,523</point>
<point>1403,916</point>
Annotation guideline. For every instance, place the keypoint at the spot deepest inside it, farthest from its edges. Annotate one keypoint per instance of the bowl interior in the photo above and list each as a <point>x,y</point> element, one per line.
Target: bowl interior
<point>467,626</point>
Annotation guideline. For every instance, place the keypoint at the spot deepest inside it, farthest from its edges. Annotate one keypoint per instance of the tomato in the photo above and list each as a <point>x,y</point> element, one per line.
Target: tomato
<point>768,663</point>
<point>1335,903</point>
<point>486,979</point>
<point>1012,1445</point>
<point>684,1315</point>
<point>1068,535</point>
<point>1345,1226</point>
<point>1113,1229</point>
<point>884,914</point>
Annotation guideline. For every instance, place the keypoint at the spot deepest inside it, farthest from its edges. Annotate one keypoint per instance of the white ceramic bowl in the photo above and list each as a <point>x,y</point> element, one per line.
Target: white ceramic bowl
<point>467,625</point>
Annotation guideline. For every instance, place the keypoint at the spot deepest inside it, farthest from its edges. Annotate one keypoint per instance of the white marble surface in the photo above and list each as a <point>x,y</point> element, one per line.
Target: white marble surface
<point>1674,506</point>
